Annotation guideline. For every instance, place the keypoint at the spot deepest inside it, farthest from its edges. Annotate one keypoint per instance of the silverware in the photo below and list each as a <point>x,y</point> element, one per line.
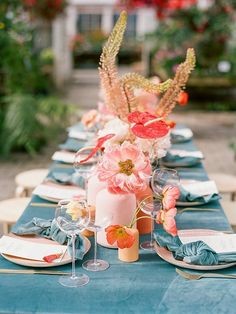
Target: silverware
<point>180,211</point>
<point>33,271</point>
<point>189,276</point>
<point>43,205</point>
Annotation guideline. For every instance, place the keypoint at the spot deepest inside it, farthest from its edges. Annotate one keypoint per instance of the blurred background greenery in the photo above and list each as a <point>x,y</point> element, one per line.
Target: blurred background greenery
<point>30,113</point>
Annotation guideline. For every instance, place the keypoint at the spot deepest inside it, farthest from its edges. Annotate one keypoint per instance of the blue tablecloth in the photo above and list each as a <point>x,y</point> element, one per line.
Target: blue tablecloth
<point>148,286</point>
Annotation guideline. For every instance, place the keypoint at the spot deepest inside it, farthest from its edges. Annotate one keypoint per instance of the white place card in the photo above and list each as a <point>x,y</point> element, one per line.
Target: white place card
<point>58,193</point>
<point>201,188</point>
<point>225,243</point>
<point>185,153</point>
<point>80,135</point>
<point>69,157</point>
<point>185,132</point>
<point>29,250</point>
<point>66,157</point>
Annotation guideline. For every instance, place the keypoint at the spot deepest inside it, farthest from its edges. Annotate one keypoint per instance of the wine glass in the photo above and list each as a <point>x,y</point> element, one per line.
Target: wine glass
<point>150,206</point>
<point>84,171</point>
<point>72,222</point>
<point>96,224</point>
<point>162,177</point>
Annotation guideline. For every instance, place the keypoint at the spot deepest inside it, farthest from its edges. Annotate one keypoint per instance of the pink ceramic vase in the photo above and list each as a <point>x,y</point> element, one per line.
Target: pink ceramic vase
<point>119,208</point>
<point>94,186</point>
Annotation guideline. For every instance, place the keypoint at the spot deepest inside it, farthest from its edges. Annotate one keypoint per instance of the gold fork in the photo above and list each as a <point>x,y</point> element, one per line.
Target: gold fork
<point>189,276</point>
<point>180,211</point>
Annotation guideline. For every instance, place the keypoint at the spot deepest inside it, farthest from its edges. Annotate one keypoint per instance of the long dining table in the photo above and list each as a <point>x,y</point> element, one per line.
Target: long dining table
<point>150,285</point>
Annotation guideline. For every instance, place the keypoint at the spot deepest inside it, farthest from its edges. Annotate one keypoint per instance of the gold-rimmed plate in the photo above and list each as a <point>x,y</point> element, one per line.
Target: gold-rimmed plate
<point>167,256</point>
<point>66,259</point>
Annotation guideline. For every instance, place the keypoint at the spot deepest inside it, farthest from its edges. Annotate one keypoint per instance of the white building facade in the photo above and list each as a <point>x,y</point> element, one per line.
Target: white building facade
<point>82,16</point>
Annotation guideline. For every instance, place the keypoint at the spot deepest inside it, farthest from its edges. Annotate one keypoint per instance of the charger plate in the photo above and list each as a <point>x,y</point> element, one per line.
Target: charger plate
<point>168,256</point>
<point>46,191</point>
<point>66,259</point>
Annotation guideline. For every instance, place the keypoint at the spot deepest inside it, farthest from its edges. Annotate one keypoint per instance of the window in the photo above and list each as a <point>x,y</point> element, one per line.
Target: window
<point>131,25</point>
<point>88,22</point>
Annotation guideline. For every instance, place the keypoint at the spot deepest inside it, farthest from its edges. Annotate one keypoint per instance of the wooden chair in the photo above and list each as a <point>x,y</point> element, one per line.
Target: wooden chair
<point>225,183</point>
<point>230,211</point>
<point>27,181</point>
<point>10,211</point>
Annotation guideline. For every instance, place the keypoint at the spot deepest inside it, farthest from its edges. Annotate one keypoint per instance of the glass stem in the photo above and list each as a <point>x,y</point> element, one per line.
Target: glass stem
<point>73,237</point>
<point>95,248</point>
<point>152,227</point>
<point>86,188</point>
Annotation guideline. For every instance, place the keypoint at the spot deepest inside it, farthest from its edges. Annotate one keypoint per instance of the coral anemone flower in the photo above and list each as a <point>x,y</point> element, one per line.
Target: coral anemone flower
<point>183,99</point>
<point>170,194</point>
<point>119,234</point>
<point>167,219</point>
<point>147,125</point>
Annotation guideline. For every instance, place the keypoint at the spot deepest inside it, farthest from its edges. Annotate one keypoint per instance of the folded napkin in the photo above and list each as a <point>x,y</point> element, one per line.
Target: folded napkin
<point>73,145</point>
<point>182,157</point>
<point>181,135</point>
<point>65,178</point>
<point>200,191</point>
<point>198,253</point>
<point>49,229</point>
<point>76,127</point>
<point>75,178</point>
<point>69,157</point>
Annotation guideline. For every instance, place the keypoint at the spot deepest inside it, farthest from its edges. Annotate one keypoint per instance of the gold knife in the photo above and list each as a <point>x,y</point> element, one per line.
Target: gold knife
<point>33,271</point>
<point>43,205</point>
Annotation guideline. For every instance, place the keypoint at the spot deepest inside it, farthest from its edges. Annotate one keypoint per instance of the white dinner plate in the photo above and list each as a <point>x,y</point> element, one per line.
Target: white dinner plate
<point>180,164</point>
<point>66,259</point>
<point>55,192</point>
<point>167,256</point>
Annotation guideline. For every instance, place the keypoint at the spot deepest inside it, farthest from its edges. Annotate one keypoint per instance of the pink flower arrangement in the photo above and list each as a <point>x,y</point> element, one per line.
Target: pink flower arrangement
<point>125,168</point>
<point>169,196</point>
<point>90,118</point>
<point>167,219</point>
<point>146,125</point>
<point>166,216</point>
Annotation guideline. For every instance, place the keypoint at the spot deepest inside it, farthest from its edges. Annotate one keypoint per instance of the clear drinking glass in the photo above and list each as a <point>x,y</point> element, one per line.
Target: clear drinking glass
<point>162,177</point>
<point>84,170</point>
<point>72,225</point>
<point>150,207</point>
<point>95,225</point>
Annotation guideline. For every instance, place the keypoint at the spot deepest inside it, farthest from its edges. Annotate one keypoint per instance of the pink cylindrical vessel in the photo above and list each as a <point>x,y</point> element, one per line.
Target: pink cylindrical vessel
<point>120,209</point>
<point>94,186</point>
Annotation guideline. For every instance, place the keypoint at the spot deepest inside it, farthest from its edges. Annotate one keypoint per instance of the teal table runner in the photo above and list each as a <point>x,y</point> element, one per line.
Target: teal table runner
<point>148,286</point>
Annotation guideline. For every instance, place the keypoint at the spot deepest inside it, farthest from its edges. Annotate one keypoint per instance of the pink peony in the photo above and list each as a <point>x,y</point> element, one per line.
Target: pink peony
<point>167,219</point>
<point>170,194</point>
<point>125,168</point>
